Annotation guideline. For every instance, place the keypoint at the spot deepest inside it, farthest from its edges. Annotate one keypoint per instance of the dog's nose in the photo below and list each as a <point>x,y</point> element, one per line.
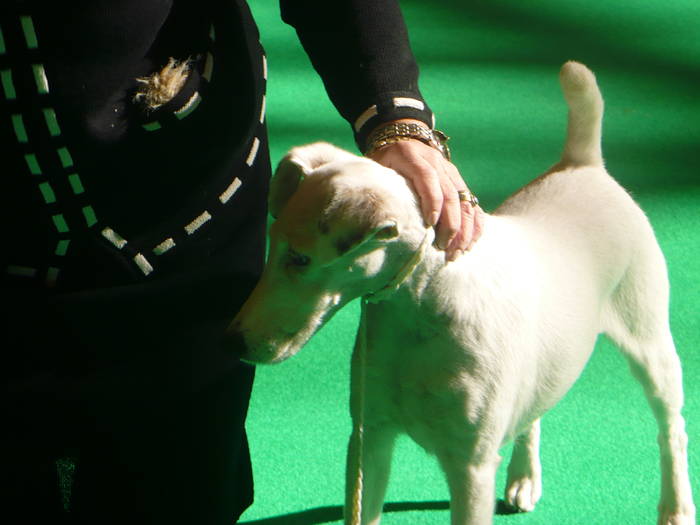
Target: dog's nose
<point>233,341</point>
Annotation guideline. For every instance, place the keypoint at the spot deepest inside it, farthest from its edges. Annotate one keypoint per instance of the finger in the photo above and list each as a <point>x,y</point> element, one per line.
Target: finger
<point>464,234</point>
<point>426,182</point>
<point>450,222</point>
<point>465,238</point>
<point>478,226</point>
<point>453,173</point>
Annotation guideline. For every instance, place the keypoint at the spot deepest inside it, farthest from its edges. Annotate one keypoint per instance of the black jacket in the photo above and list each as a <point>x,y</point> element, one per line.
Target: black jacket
<point>132,236</point>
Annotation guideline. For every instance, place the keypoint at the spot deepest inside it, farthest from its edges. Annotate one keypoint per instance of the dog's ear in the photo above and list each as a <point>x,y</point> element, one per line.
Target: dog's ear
<point>383,231</point>
<point>299,163</point>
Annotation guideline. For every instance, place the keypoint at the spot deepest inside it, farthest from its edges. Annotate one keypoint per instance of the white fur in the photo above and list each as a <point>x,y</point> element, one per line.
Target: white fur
<point>464,356</point>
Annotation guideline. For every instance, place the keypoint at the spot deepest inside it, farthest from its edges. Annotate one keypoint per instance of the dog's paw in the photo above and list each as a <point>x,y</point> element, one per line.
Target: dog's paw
<point>523,493</point>
<point>684,516</point>
<point>677,519</point>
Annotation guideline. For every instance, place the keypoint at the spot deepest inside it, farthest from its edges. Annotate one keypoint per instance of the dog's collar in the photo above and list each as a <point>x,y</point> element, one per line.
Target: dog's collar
<point>404,273</point>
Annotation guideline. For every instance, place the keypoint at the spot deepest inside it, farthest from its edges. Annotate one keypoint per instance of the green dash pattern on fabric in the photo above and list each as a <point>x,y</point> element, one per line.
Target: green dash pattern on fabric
<point>188,108</point>
<point>60,222</point>
<point>47,192</point>
<point>52,276</point>
<point>52,122</point>
<point>76,184</point>
<point>29,32</point>
<point>3,49</point>
<point>42,83</point>
<point>66,159</point>
<point>62,247</point>
<point>8,86</point>
<point>20,130</point>
<point>32,164</point>
<point>22,271</point>
<point>89,214</point>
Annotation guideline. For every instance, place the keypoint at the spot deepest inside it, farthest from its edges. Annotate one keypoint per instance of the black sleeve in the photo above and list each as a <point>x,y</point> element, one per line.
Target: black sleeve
<point>360,48</point>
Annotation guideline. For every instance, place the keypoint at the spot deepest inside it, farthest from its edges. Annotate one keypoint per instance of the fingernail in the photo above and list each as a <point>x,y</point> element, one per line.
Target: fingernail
<point>434,216</point>
<point>442,241</point>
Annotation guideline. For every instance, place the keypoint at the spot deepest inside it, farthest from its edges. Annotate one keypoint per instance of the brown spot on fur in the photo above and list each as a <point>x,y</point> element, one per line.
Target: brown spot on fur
<point>323,227</point>
<point>351,220</point>
<point>344,244</point>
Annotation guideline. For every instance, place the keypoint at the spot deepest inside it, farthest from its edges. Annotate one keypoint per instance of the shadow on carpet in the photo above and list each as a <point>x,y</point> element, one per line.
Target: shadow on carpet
<point>335,513</point>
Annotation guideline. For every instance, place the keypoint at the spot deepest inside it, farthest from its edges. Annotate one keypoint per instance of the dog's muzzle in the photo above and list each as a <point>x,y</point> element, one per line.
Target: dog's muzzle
<point>234,342</point>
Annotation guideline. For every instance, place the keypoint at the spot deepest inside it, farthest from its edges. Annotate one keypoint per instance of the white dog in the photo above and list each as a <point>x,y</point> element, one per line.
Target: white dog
<point>466,355</point>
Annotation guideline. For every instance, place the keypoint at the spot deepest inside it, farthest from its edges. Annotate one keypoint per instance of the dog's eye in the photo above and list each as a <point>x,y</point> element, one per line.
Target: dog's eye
<point>297,259</point>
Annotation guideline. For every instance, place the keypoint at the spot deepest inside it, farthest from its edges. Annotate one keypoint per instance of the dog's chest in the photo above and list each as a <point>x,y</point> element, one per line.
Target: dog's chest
<point>421,379</point>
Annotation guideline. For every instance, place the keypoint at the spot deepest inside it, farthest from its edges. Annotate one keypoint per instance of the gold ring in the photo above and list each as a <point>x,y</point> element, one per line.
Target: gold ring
<point>467,196</point>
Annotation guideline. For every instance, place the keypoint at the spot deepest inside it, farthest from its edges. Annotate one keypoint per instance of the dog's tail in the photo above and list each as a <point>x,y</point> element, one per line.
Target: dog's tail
<point>583,137</point>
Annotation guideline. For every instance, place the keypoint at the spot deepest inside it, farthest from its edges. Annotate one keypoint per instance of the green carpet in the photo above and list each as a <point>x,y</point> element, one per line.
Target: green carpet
<point>489,71</point>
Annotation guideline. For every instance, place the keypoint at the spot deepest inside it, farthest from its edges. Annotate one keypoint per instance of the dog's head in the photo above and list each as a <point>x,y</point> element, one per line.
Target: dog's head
<point>344,226</point>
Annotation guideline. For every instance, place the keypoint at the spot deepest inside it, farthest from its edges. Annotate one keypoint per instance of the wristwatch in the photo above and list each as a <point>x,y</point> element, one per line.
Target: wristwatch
<point>398,131</point>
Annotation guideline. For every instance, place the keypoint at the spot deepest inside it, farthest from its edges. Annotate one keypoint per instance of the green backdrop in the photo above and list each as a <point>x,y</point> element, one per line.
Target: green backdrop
<point>489,71</point>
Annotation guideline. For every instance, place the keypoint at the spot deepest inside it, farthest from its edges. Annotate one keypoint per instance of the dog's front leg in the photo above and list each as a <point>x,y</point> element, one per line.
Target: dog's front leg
<point>367,473</point>
<point>471,481</point>
<point>372,439</point>
<point>524,485</point>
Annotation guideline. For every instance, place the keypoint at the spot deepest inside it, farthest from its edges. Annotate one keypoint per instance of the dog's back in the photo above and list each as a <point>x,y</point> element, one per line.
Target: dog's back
<point>553,266</point>
<point>576,207</point>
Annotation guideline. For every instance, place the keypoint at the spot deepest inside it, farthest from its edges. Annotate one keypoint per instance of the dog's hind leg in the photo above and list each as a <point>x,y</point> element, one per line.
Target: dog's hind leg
<point>637,320</point>
<point>655,364</point>
<point>524,484</point>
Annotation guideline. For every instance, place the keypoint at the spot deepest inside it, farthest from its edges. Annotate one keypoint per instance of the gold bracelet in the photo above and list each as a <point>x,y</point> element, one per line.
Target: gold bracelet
<point>398,131</point>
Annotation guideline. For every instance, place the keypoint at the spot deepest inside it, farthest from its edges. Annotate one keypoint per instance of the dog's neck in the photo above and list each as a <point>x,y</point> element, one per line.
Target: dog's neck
<point>423,265</point>
<point>422,260</point>
<point>405,271</point>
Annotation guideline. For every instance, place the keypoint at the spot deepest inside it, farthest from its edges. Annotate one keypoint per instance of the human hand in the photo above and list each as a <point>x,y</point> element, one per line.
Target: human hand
<point>437,183</point>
